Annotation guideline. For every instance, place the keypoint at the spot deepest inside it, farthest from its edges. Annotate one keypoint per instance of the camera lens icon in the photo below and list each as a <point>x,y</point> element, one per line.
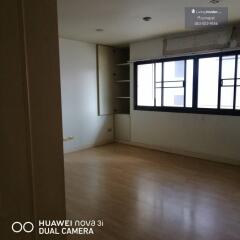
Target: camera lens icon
<point>18,227</point>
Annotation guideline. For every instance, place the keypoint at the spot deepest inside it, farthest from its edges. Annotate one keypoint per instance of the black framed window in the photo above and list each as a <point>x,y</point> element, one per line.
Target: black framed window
<point>207,83</point>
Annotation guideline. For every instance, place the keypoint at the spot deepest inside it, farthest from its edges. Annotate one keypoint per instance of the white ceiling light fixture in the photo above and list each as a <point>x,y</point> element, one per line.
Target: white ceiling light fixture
<point>147,19</point>
<point>214,1</point>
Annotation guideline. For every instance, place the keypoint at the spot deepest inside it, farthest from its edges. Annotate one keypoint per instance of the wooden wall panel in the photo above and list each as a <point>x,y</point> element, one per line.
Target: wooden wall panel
<point>41,36</point>
<point>106,67</point>
<point>31,172</point>
<point>16,196</point>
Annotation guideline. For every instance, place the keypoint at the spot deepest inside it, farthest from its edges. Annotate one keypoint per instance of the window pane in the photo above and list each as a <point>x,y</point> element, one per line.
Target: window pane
<point>238,98</point>
<point>158,97</point>
<point>173,84</point>
<point>228,67</point>
<point>173,97</point>
<point>227,97</point>
<point>238,73</point>
<point>158,84</point>
<point>238,94</point>
<point>145,85</point>
<point>189,83</point>
<point>208,82</point>
<point>228,82</point>
<point>158,72</point>
<point>174,71</point>
<point>227,91</point>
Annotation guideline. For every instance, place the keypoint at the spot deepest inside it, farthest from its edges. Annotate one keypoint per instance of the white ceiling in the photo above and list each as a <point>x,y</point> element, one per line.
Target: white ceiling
<point>122,19</point>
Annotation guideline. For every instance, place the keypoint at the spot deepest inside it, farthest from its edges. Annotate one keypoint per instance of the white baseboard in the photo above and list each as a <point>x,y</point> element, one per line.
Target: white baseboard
<point>87,146</point>
<point>204,156</point>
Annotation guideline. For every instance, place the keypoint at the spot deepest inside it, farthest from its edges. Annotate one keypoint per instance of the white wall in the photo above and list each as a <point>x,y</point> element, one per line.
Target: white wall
<point>207,136</point>
<point>79,97</point>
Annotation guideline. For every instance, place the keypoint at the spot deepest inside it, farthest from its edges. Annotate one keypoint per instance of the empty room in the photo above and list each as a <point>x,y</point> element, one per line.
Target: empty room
<point>159,98</point>
<point>126,124</point>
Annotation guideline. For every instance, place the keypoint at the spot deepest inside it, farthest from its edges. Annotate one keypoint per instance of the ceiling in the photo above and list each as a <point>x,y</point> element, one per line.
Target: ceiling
<point>122,19</point>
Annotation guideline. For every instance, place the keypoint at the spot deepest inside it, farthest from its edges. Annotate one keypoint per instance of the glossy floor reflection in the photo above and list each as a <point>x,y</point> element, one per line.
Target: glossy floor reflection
<point>147,195</point>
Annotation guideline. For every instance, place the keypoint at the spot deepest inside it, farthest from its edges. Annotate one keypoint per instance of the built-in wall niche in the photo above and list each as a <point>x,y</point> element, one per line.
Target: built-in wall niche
<point>122,105</point>
<point>122,72</point>
<point>122,81</point>
<point>122,90</point>
<point>113,80</point>
<point>114,88</point>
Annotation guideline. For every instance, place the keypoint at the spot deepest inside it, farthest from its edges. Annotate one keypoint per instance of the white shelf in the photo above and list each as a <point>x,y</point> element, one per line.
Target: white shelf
<point>122,81</point>
<point>123,64</point>
<point>123,97</point>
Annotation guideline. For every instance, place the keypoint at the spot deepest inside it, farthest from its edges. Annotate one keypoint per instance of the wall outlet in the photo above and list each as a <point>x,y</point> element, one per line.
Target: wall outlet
<point>68,138</point>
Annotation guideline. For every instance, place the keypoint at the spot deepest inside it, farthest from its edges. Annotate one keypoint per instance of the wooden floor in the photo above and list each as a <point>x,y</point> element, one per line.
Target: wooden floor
<point>146,195</point>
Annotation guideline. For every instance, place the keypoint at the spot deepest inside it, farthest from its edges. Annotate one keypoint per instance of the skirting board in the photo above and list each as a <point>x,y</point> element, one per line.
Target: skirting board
<point>183,153</point>
<point>89,146</point>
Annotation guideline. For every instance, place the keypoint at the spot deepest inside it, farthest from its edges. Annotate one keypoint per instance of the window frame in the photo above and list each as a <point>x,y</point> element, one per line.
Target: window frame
<point>194,109</point>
